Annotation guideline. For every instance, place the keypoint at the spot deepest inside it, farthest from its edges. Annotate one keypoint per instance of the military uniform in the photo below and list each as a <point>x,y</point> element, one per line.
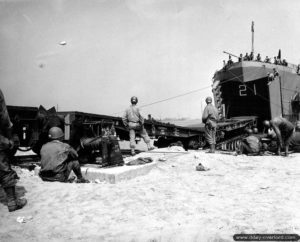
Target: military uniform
<point>210,118</point>
<point>57,162</point>
<point>250,145</point>
<point>133,120</point>
<point>284,130</point>
<point>295,142</point>
<point>7,175</point>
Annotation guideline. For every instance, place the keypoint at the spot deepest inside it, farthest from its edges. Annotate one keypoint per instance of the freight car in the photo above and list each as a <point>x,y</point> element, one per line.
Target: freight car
<point>31,123</point>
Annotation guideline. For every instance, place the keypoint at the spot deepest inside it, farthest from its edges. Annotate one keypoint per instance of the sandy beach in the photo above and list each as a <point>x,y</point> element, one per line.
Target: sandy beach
<point>174,202</point>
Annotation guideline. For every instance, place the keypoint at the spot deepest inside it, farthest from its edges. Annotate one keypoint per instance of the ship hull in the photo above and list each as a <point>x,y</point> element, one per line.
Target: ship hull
<point>259,89</point>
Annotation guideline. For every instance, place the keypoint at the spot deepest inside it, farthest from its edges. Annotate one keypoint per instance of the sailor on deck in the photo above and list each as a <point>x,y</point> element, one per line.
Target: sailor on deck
<point>229,62</point>
<point>241,58</point>
<point>258,57</point>
<point>295,140</point>
<point>267,60</point>
<point>210,117</point>
<point>251,57</point>
<point>246,57</point>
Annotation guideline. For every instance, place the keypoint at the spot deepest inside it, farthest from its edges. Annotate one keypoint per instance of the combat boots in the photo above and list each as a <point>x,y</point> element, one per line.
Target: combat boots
<point>132,152</point>
<point>212,149</point>
<point>13,203</point>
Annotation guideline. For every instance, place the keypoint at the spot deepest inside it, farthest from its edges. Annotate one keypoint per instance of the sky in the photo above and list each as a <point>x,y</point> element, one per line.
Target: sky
<point>93,55</point>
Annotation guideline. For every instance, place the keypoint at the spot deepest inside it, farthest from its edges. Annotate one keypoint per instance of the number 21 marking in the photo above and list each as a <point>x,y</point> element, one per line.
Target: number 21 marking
<point>243,90</point>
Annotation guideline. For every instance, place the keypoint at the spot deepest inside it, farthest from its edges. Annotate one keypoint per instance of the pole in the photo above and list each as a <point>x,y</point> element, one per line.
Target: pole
<point>252,42</point>
<point>281,99</point>
<point>230,54</point>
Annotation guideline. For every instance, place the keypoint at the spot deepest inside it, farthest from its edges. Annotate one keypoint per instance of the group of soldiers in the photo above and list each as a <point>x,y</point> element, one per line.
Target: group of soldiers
<point>282,134</point>
<point>247,57</point>
<point>58,159</point>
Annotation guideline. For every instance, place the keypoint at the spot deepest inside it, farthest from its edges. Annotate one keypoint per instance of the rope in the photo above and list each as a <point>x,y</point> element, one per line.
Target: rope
<point>201,89</point>
<point>170,98</point>
<point>179,95</point>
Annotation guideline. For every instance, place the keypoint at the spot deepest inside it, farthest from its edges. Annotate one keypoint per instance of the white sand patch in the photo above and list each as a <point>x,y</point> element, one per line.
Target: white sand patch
<point>173,202</point>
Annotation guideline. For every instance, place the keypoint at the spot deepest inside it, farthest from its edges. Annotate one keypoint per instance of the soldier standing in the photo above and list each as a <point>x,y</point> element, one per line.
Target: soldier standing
<point>133,120</point>
<point>210,118</point>
<point>284,131</point>
<point>8,177</point>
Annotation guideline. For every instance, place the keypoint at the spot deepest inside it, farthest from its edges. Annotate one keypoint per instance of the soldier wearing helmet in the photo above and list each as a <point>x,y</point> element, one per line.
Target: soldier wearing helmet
<point>8,177</point>
<point>284,131</point>
<point>134,122</point>
<point>210,117</point>
<point>134,100</point>
<point>250,144</point>
<point>58,159</point>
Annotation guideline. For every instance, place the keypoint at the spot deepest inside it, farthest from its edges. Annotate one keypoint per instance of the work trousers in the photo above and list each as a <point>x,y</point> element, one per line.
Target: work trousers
<point>141,131</point>
<point>63,175</point>
<point>286,137</point>
<point>8,177</point>
<point>210,134</point>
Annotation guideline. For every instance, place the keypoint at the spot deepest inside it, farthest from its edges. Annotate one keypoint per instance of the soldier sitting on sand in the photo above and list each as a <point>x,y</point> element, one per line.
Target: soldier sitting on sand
<point>250,145</point>
<point>267,60</point>
<point>58,159</point>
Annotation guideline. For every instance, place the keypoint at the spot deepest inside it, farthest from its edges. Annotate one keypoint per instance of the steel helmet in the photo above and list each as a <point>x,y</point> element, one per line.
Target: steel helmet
<point>266,123</point>
<point>55,133</point>
<point>249,131</point>
<point>134,100</point>
<point>208,100</point>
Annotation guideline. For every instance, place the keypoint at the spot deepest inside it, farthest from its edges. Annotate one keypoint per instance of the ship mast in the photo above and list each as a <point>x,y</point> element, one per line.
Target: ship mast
<point>252,42</point>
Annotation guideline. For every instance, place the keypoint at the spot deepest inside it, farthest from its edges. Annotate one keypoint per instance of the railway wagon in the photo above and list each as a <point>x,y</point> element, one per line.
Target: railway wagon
<point>30,123</point>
